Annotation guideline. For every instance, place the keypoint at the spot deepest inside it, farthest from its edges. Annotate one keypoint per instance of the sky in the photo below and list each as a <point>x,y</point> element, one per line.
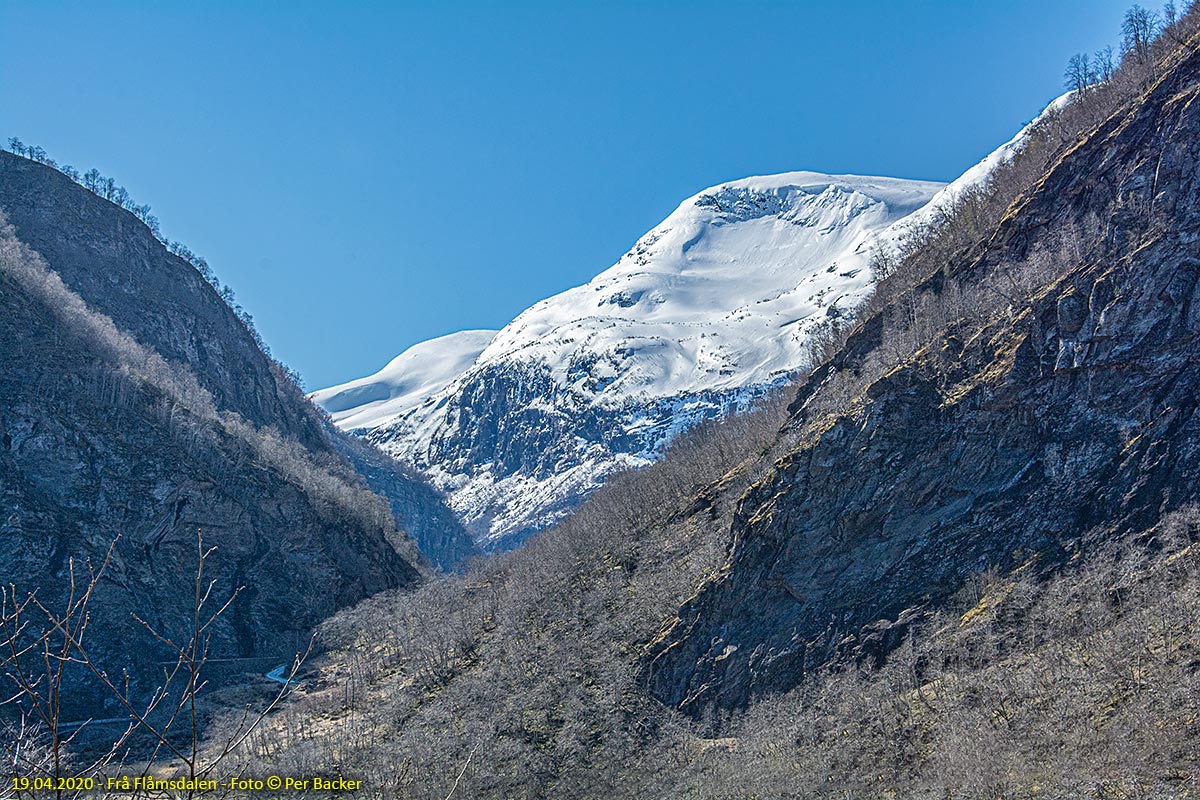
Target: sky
<point>370,175</point>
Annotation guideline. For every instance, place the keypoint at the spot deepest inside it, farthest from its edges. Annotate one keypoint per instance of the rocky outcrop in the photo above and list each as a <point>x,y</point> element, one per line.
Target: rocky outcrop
<point>991,446</point>
<point>517,451</point>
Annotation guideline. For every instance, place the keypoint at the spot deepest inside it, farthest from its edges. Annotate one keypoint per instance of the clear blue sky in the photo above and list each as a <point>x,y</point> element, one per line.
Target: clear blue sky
<point>369,175</point>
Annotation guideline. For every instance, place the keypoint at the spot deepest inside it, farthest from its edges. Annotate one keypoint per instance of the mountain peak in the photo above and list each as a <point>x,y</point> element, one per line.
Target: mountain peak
<point>405,383</point>
<point>709,309</point>
<point>788,245</point>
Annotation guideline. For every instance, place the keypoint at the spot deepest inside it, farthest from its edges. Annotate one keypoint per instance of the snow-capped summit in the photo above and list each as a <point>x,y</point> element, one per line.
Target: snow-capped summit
<point>722,294</point>
<point>708,310</point>
<point>408,380</point>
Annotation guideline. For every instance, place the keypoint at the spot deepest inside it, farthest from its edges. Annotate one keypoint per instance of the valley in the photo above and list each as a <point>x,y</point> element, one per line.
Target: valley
<point>832,486</point>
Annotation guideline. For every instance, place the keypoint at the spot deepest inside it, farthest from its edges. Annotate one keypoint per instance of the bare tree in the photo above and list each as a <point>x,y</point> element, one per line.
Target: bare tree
<point>34,662</point>
<point>1138,30</point>
<point>38,648</point>
<point>92,180</point>
<point>1079,75</point>
<point>1102,63</point>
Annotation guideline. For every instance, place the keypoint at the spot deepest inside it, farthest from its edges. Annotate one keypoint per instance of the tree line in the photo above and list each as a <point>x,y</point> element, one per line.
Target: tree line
<point>94,182</point>
<point>1141,28</point>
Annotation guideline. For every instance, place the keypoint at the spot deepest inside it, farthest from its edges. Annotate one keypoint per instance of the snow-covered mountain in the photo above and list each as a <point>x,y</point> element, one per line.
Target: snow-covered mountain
<point>709,310</point>
<point>722,294</point>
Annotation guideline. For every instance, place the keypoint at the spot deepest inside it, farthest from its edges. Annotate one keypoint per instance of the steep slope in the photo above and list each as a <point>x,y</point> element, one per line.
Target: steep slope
<point>1020,427</point>
<point>101,438</point>
<point>418,508</point>
<point>113,262</point>
<point>974,178</point>
<point>708,311</point>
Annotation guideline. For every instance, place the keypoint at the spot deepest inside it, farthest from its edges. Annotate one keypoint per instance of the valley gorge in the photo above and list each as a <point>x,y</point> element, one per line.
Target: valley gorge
<point>831,487</point>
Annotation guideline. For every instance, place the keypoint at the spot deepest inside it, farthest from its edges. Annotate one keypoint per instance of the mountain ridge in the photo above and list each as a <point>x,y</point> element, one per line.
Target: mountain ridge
<point>119,267</point>
<point>602,376</point>
<point>141,415</point>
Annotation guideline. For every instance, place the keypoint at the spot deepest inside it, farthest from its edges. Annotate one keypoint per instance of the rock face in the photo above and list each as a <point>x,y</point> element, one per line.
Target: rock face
<point>113,262</point>
<point>1075,409</point>
<point>134,404</point>
<point>419,509</point>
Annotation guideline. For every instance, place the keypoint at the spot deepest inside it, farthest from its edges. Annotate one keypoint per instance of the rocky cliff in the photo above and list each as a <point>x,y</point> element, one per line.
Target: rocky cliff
<point>1002,441</point>
<point>135,405</point>
<point>113,262</point>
